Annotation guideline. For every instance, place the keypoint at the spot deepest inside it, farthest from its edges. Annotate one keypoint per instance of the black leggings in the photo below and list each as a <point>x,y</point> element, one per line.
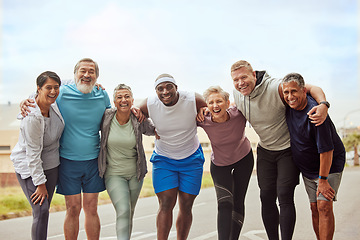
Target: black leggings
<point>231,183</point>
<point>277,178</point>
<point>271,216</point>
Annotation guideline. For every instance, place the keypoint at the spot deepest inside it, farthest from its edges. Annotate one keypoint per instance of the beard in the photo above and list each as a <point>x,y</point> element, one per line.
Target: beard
<point>84,88</point>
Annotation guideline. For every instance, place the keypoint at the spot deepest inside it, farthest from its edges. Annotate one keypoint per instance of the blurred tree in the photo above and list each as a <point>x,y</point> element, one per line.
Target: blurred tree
<point>351,142</point>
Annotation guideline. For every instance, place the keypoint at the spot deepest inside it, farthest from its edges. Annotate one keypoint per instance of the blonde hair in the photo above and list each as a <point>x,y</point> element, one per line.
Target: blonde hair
<point>216,89</point>
<point>240,64</point>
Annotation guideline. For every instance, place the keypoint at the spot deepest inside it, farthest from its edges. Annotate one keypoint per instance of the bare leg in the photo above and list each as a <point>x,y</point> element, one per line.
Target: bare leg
<point>315,218</point>
<point>71,223</point>
<point>167,201</point>
<point>326,219</point>
<point>92,220</point>
<point>184,219</point>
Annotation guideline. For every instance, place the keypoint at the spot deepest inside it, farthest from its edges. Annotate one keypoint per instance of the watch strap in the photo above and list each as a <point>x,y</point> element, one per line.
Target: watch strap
<point>326,103</point>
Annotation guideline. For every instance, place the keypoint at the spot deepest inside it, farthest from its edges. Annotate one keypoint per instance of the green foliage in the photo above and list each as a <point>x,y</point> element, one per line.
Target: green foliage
<point>351,141</point>
<point>207,180</point>
<point>13,204</point>
<point>147,189</point>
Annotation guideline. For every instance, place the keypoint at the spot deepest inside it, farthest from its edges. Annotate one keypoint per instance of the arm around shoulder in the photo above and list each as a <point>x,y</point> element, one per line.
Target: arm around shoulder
<point>318,113</point>
<point>200,102</point>
<point>148,127</point>
<point>143,108</point>
<point>316,92</point>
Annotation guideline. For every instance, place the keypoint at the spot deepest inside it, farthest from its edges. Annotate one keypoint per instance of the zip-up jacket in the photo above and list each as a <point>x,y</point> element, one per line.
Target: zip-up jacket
<point>27,156</point>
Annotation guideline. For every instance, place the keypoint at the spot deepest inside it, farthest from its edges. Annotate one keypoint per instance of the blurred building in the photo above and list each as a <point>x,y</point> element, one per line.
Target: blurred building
<point>346,131</point>
<point>9,133</point>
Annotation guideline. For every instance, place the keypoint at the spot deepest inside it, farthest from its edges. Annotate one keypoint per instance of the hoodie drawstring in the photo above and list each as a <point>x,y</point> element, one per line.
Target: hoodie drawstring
<point>245,109</point>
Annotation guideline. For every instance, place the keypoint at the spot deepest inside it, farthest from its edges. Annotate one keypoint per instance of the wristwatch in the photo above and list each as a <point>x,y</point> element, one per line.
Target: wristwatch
<point>326,103</point>
<point>322,177</point>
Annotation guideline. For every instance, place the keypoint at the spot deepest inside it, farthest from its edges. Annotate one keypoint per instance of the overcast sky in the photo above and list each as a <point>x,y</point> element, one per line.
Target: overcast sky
<point>195,41</point>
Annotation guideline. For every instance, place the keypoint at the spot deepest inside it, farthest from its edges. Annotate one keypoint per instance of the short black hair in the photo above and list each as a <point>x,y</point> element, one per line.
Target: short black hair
<point>41,79</point>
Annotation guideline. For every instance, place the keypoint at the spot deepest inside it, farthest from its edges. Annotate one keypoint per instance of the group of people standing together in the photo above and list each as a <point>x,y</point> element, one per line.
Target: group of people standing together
<point>60,144</point>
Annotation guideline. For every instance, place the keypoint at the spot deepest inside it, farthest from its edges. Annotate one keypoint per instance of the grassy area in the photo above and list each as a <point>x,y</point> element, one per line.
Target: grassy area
<point>13,202</point>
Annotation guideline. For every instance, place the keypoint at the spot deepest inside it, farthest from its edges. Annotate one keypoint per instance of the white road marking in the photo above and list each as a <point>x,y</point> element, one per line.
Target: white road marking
<point>171,234</point>
<point>252,234</point>
<point>206,236</point>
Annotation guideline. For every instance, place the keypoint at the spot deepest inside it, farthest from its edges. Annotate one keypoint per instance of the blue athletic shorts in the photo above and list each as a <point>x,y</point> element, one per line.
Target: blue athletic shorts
<point>184,174</point>
<point>77,176</point>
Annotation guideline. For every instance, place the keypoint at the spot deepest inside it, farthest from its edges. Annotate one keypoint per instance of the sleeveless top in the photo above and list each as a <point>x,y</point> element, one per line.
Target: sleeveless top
<point>176,126</point>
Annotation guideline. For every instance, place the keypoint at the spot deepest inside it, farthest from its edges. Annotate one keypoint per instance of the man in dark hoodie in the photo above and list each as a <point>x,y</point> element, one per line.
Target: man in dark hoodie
<point>259,97</point>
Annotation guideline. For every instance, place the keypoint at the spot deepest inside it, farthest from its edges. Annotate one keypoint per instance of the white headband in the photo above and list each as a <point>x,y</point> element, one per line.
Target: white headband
<point>164,79</point>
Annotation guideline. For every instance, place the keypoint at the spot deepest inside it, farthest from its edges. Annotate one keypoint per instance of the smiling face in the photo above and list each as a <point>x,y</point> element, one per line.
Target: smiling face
<point>85,77</point>
<point>49,91</point>
<point>217,106</point>
<point>123,100</point>
<point>167,93</point>
<point>244,80</point>
<point>294,95</point>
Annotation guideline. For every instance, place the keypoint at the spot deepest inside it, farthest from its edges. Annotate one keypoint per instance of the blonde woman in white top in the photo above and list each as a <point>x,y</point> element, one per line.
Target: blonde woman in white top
<point>36,155</point>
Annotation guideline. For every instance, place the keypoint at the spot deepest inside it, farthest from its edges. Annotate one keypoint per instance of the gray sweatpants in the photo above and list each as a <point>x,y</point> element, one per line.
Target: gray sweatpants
<point>40,213</point>
<point>124,193</point>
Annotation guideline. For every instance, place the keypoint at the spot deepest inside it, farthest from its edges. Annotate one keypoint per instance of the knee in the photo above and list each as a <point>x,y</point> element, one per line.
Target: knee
<point>186,202</point>
<point>286,195</point>
<point>225,204</point>
<point>90,208</point>
<point>41,211</point>
<point>90,203</point>
<point>73,210</point>
<point>224,198</point>
<point>268,196</point>
<point>166,203</point>
<point>325,208</point>
<point>122,209</point>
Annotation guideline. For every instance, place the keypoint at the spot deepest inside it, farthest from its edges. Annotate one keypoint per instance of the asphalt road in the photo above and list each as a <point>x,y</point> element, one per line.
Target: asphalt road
<point>347,215</point>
